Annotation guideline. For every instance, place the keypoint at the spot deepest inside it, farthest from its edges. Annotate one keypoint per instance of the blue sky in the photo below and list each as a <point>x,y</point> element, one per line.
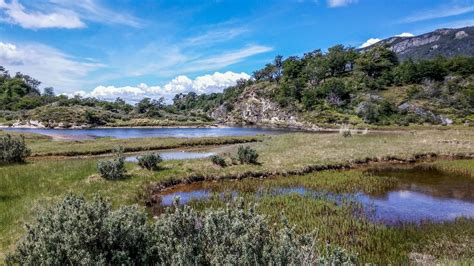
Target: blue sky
<point>157,48</point>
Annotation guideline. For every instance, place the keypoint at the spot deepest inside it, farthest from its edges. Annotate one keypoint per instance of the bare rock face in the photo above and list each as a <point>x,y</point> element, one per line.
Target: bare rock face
<point>250,108</point>
<point>461,35</point>
<point>410,43</point>
<point>29,124</point>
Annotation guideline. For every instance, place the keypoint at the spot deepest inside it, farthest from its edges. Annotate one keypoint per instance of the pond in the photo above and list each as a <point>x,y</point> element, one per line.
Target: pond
<point>125,133</point>
<point>419,194</point>
<point>176,155</point>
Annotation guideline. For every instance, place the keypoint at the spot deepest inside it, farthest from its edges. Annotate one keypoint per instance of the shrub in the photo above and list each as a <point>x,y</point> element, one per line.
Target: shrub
<point>13,150</point>
<point>149,161</point>
<point>247,155</point>
<point>345,131</point>
<point>114,168</point>
<point>347,134</point>
<point>77,232</point>
<point>218,160</point>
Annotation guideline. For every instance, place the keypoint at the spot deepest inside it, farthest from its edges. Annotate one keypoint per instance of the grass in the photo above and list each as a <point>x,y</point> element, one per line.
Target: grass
<point>465,167</point>
<point>23,187</point>
<point>45,146</point>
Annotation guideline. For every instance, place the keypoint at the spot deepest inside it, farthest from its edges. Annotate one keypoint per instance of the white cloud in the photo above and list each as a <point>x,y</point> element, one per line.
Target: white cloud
<point>16,14</point>
<point>67,14</point>
<point>215,36</point>
<point>215,62</point>
<point>47,64</point>
<point>216,82</point>
<point>339,3</point>
<point>370,42</point>
<point>405,34</point>
<point>172,60</point>
<point>457,24</point>
<point>373,41</point>
<point>90,10</point>
<point>440,12</point>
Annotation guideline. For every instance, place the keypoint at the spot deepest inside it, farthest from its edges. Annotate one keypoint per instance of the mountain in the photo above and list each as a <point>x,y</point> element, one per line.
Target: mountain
<point>444,42</point>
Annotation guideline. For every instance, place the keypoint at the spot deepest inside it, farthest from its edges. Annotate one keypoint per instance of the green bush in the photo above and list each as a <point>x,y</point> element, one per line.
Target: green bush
<point>76,232</point>
<point>247,155</point>
<point>149,161</point>
<point>346,133</point>
<point>218,160</point>
<point>114,168</point>
<point>13,150</point>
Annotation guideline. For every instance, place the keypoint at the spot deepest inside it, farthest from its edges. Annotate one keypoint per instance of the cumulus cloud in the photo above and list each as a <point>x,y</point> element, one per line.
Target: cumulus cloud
<point>373,41</point>
<point>51,66</point>
<point>405,34</point>
<point>15,13</point>
<point>210,83</point>
<point>370,42</point>
<point>340,3</point>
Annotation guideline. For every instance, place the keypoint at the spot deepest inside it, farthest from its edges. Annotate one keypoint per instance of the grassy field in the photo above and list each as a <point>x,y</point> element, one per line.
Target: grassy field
<point>25,187</point>
<point>45,146</point>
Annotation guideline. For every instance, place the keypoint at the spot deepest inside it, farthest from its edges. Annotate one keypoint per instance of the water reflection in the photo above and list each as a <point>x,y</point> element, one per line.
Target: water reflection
<point>176,155</point>
<point>421,194</point>
<point>125,133</point>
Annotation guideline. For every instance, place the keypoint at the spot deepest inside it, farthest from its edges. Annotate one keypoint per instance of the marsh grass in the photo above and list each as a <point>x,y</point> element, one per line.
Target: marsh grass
<point>463,167</point>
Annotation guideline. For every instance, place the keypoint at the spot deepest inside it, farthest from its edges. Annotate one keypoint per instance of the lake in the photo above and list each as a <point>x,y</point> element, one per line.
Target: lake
<point>125,133</point>
<point>420,194</point>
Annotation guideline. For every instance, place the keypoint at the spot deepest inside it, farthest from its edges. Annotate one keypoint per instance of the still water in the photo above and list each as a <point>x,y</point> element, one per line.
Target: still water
<point>420,194</point>
<point>176,155</point>
<point>125,133</point>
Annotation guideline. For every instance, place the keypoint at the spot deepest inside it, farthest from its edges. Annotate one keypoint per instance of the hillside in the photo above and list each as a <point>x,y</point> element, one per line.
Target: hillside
<point>370,87</point>
<point>348,86</point>
<point>442,42</point>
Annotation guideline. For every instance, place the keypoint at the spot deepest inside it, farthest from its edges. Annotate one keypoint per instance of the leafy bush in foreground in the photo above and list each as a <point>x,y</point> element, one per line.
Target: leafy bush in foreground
<point>78,232</point>
<point>13,150</point>
<point>247,155</point>
<point>114,168</point>
<point>218,160</point>
<point>149,161</point>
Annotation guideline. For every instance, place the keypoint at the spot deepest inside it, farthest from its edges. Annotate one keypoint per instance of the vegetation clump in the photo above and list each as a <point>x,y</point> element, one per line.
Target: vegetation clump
<point>115,168</point>
<point>13,149</point>
<point>247,155</point>
<point>149,161</point>
<point>218,160</point>
<point>79,232</point>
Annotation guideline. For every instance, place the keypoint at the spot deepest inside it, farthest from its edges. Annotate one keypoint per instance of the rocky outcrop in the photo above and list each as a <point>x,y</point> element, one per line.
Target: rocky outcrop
<point>252,109</point>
